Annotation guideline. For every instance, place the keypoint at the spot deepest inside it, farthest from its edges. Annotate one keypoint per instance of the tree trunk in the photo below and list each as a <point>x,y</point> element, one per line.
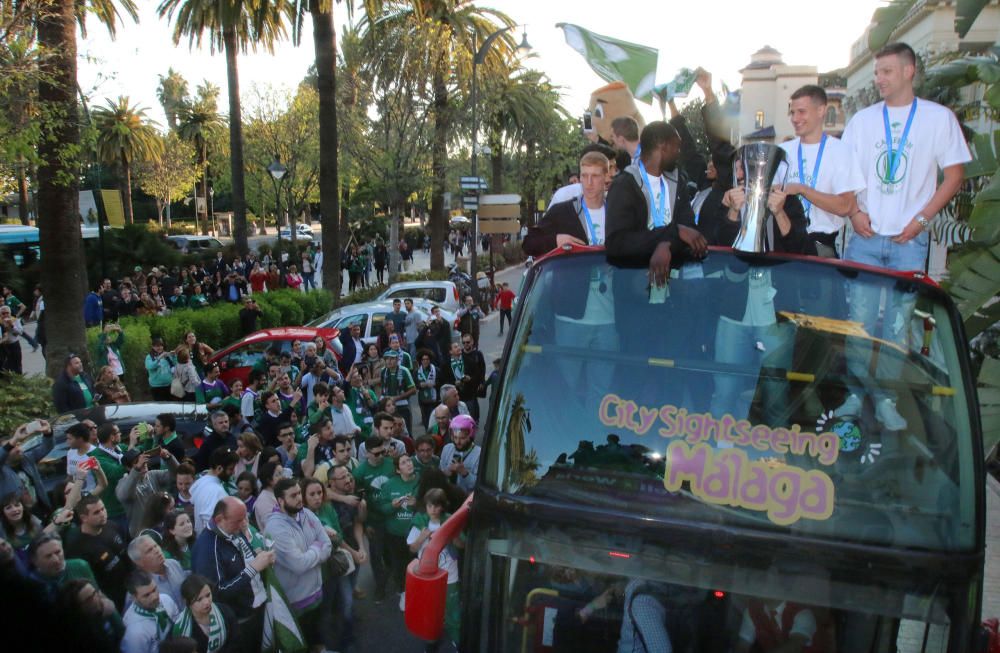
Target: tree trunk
<point>22,195</point>
<point>394,258</point>
<point>63,274</point>
<point>126,189</point>
<point>439,169</point>
<point>203,160</point>
<point>496,162</point>
<point>236,143</point>
<point>325,46</point>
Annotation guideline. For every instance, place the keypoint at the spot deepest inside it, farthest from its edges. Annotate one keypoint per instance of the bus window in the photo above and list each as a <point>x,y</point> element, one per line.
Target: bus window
<point>686,470</point>
<point>721,402</point>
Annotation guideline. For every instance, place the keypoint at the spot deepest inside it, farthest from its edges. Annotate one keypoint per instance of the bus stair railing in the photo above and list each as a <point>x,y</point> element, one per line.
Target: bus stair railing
<point>427,584</point>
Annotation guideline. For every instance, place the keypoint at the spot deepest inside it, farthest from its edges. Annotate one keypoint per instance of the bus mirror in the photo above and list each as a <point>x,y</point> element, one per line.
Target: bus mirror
<point>425,602</point>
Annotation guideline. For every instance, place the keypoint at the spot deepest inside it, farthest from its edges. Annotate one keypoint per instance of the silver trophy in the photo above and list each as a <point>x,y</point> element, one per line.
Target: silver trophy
<point>761,163</point>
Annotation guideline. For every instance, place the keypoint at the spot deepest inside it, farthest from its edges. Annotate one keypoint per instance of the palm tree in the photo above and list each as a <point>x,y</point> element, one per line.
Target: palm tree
<point>19,69</point>
<point>124,136</point>
<point>325,47</point>
<point>172,93</point>
<point>196,122</point>
<point>515,105</point>
<point>460,26</point>
<point>63,274</point>
<point>232,26</point>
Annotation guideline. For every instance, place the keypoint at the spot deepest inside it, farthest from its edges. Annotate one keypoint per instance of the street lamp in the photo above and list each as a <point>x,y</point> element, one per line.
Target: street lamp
<point>522,49</point>
<point>277,172</point>
<point>211,209</point>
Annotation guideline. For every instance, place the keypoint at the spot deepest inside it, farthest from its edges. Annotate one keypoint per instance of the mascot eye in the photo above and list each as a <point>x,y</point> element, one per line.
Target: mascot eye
<point>599,112</point>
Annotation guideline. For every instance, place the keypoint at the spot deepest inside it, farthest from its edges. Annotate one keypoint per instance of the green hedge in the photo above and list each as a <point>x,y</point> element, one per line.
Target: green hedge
<point>219,325</point>
<point>22,399</point>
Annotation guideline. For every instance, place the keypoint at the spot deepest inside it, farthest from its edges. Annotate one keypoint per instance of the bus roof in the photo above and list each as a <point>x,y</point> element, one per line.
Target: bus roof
<point>570,250</point>
<point>15,234</point>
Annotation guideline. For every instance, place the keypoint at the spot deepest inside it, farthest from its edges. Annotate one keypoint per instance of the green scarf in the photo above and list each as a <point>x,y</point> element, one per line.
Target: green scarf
<point>216,628</point>
<point>163,622</point>
<point>458,368</point>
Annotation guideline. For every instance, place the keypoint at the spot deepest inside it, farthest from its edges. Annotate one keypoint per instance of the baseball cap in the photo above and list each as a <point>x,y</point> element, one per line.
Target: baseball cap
<point>463,422</point>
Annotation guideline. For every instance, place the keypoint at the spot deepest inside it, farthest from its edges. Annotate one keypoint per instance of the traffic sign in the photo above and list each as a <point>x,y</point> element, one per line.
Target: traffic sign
<point>472,183</point>
<point>470,203</point>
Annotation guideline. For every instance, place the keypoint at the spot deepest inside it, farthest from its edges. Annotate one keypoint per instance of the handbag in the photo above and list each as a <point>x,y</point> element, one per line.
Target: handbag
<point>341,563</point>
<point>177,388</point>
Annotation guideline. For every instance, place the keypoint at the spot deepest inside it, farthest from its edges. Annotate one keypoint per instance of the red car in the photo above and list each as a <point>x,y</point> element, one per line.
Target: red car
<point>238,359</point>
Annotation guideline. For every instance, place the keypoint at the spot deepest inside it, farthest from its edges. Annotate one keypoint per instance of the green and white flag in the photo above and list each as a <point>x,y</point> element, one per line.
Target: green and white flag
<point>615,60</point>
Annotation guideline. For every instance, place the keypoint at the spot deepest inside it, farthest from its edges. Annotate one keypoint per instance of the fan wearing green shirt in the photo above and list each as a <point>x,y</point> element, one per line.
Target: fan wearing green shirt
<point>372,475</point>
<point>424,458</point>
<point>362,401</point>
<point>398,385</point>
<point>212,390</point>
<point>109,454</point>
<point>319,407</point>
<point>396,502</point>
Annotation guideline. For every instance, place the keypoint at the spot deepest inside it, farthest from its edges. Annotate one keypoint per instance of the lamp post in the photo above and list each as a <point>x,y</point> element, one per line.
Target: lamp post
<point>480,58</point>
<point>277,172</point>
<point>211,209</point>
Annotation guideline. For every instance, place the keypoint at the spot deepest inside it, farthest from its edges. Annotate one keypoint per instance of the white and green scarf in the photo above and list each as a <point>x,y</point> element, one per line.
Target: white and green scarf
<point>160,615</point>
<point>216,628</point>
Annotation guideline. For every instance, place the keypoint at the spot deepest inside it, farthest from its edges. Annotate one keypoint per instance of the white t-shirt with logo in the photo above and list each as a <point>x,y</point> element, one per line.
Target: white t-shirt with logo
<point>838,173</point>
<point>597,218</point>
<point>935,142</point>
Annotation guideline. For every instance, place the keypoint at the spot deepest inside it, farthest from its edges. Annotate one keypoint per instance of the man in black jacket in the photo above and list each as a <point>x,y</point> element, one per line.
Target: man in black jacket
<point>649,220</point>
<point>223,555</point>
<point>74,388</point>
<point>649,212</point>
<point>575,222</point>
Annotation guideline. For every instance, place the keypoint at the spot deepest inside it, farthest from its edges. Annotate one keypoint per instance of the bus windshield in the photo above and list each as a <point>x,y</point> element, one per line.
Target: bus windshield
<point>743,397</point>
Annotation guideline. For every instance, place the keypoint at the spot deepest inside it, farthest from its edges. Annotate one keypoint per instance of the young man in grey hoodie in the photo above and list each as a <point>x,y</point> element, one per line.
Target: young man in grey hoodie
<point>302,546</point>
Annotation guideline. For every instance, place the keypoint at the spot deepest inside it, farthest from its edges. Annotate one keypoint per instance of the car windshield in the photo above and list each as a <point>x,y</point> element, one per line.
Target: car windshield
<point>771,394</point>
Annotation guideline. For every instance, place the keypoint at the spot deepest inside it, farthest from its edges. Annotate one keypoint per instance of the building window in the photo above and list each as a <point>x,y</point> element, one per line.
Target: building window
<point>831,116</point>
<point>759,120</point>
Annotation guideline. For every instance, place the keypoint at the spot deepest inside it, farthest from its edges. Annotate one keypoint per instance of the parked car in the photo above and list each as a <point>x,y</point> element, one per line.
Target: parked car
<point>302,232</point>
<point>195,244</point>
<point>191,420</point>
<point>371,315</point>
<point>442,293</point>
<point>238,359</point>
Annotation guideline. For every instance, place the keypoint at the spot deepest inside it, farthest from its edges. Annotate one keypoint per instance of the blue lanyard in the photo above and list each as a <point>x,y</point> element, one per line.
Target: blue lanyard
<point>590,223</point>
<point>659,213</point>
<point>806,204</point>
<point>894,156</point>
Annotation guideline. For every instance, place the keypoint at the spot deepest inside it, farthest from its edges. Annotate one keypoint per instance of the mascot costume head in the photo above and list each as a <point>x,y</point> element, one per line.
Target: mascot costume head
<point>609,102</point>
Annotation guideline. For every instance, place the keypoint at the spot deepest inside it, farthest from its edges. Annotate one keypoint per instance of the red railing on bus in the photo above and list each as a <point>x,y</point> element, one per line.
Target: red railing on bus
<point>427,584</point>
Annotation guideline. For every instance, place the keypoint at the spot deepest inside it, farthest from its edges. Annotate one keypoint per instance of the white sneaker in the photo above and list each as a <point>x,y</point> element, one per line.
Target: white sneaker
<point>850,408</point>
<point>402,601</point>
<point>886,413</point>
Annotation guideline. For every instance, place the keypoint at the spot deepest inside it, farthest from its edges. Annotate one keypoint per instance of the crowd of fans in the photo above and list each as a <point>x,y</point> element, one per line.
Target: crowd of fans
<point>256,531</point>
<point>301,479</point>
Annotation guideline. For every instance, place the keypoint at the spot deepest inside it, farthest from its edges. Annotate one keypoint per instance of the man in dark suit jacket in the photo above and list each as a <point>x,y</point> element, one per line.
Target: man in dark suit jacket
<point>353,348</point>
<point>644,226</point>
<point>649,221</point>
<point>577,222</point>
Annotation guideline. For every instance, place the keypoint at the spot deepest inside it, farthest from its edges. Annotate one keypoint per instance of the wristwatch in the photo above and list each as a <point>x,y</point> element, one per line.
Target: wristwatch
<point>923,222</point>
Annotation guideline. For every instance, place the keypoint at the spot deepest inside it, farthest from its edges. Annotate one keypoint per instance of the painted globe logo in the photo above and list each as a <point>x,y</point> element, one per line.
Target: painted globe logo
<point>849,435</point>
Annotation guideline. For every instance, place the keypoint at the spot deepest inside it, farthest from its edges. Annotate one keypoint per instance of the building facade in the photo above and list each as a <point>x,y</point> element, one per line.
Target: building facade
<point>766,90</point>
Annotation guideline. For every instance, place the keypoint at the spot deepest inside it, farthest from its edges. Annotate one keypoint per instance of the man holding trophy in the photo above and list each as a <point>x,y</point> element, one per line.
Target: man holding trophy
<point>900,143</point>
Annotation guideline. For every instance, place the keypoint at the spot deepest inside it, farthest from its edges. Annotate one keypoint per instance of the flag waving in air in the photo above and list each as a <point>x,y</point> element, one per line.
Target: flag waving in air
<point>615,60</point>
